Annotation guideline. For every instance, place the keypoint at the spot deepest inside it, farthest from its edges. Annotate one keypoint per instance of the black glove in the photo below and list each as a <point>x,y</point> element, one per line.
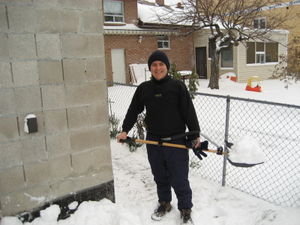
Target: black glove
<point>199,151</point>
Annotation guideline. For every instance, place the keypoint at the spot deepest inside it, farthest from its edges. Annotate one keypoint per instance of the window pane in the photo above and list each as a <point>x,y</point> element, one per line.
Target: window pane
<point>109,18</point>
<point>113,7</point>
<point>227,57</point>
<point>118,19</point>
<point>260,46</point>
<point>262,23</point>
<point>255,23</point>
<point>166,44</point>
<point>260,58</point>
<point>250,52</point>
<point>271,52</point>
<point>163,41</point>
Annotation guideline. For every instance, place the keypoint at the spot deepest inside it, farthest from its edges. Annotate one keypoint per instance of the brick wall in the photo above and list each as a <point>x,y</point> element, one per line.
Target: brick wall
<point>181,52</point>
<point>130,8</point>
<point>51,65</point>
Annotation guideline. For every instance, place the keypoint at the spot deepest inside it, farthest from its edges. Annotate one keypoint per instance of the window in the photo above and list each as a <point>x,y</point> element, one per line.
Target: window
<point>271,52</point>
<point>250,52</point>
<point>296,39</point>
<point>113,11</point>
<point>260,52</point>
<point>163,42</point>
<point>227,57</point>
<point>259,23</point>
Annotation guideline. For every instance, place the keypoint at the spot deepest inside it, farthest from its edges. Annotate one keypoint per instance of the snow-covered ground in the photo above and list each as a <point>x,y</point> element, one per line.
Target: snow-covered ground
<point>214,205</point>
<point>272,90</point>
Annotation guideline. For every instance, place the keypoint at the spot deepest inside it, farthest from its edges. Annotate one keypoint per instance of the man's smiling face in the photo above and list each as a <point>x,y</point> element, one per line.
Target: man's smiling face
<point>158,70</point>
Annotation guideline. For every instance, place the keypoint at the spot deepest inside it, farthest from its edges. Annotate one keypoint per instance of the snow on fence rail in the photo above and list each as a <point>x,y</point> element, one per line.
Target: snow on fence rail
<point>276,126</point>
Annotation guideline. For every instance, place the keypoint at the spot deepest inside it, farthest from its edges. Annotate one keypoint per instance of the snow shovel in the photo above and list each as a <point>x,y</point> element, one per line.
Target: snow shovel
<point>198,151</point>
<point>203,147</point>
<point>234,163</point>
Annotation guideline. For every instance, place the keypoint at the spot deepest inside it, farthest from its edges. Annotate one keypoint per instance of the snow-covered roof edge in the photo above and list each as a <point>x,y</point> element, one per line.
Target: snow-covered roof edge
<point>132,29</point>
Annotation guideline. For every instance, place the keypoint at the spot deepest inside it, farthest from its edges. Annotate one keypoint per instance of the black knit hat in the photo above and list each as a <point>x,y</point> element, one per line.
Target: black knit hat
<point>160,56</point>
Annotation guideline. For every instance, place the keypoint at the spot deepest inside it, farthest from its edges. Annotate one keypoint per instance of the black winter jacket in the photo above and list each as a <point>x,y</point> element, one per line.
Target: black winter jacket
<point>169,108</point>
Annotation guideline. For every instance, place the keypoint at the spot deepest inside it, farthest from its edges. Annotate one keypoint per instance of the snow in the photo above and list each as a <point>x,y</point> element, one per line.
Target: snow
<point>73,205</point>
<point>185,72</point>
<point>135,189</point>
<point>272,90</point>
<point>162,15</point>
<point>127,26</point>
<point>136,199</point>
<point>247,150</point>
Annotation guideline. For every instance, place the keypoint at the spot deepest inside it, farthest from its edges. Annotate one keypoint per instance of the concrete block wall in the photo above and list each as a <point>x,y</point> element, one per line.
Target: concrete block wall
<point>52,65</point>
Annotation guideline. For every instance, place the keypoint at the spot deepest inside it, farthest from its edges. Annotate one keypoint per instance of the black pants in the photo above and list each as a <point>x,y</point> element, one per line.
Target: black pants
<point>170,168</point>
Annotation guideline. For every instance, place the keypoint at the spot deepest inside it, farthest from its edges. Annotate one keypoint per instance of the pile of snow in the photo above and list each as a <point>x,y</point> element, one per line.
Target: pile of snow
<point>185,72</point>
<point>247,150</point>
<point>227,75</point>
<point>103,212</point>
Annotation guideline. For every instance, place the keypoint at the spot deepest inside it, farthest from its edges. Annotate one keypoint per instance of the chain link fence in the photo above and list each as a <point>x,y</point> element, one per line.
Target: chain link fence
<point>276,127</point>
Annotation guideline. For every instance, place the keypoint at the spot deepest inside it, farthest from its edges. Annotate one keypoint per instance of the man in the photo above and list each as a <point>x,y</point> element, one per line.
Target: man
<point>169,110</point>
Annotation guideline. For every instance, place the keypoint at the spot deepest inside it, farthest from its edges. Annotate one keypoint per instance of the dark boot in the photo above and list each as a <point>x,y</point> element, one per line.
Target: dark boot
<point>161,210</point>
<point>185,215</point>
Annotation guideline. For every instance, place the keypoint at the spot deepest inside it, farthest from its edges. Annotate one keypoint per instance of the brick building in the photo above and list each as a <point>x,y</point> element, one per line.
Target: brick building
<point>133,30</point>
<point>129,39</point>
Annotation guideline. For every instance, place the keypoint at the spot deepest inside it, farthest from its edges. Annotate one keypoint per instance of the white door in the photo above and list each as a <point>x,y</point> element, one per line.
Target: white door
<point>118,65</point>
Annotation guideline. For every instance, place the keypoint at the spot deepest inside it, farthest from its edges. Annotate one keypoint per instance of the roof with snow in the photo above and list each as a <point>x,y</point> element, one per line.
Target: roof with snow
<point>151,15</point>
<point>148,13</point>
<point>132,29</point>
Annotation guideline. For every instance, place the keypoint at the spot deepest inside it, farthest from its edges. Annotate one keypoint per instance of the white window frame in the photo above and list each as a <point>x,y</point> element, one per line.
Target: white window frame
<point>260,21</point>
<point>116,18</point>
<point>163,41</point>
<point>261,56</point>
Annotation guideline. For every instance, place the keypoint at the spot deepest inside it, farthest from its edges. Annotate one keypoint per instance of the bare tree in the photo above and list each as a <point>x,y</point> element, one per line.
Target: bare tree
<point>288,67</point>
<point>230,23</point>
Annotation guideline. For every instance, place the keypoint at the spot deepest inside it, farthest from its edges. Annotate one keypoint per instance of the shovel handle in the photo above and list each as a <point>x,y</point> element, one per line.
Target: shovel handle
<point>168,145</point>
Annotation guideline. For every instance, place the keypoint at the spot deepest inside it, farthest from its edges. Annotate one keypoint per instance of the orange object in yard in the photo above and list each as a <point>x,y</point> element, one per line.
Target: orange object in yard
<point>233,78</point>
<point>257,88</point>
<point>253,84</point>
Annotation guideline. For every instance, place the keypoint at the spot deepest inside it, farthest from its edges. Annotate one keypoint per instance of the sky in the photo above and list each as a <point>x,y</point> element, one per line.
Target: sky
<point>135,189</point>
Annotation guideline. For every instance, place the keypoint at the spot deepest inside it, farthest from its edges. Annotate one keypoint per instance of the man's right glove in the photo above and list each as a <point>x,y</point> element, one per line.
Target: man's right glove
<point>199,151</point>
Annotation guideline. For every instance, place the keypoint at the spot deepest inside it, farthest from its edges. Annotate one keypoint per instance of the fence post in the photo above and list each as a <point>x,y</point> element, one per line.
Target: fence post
<point>226,140</point>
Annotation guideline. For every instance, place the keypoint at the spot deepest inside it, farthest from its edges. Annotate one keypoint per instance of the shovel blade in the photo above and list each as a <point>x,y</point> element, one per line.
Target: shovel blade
<point>238,164</point>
